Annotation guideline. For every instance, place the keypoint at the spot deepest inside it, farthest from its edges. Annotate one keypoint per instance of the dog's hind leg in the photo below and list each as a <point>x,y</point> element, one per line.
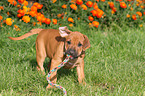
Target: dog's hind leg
<point>40,56</point>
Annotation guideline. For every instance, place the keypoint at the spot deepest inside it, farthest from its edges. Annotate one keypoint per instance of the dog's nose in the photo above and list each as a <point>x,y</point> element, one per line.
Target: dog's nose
<point>72,52</point>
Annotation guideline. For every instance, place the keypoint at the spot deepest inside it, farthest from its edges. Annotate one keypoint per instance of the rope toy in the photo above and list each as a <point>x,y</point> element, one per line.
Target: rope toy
<point>53,70</point>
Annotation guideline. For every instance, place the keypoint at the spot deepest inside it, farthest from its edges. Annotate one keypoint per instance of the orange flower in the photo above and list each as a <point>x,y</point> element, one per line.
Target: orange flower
<point>35,4</point>
<point>8,13</point>
<point>53,1</point>
<point>18,29</point>
<point>73,6</point>
<point>142,6</point>
<point>141,18</point>
<point>90,24</point>
<point>22,12</point>
<point>139,13</point>
<point>13,2</point>
<point>21,1</point>
<point>73,1</point>
<point>89,3</point>
<point>79,2</point>
<point>131,9</point>
<point>39,14</point>
<point>99,13</point>
<point>18,6</point>
<point>34,23</point>
<point>103,0</point>
<point>1,17</point>
<point>54,21</point>
<point>62,17</point>
<point>10,1</point>
<point>59,15</point>
<point>111,4</point>
<point>33,8</point>
<point>9,21</point>
<point>26,10</point>
<point>90,18</point>
<point>25,3</point>
<point>94,12</point>
<point>1,25</point>
<point>144,13</point>
<point>140,25</point>
<point>1,8</point>
<point>127,15</point>
<point>15,26</point>
<point>43,19</point>
<point>39,23</point>
<point>64,6</point>
<point>26,19</point>
<point>32,13</point>
<point>47,21</point>
<point>123,5</point>
<point>119,0</point>
<point>95,6</point>
<point>84,7</point>
<point>134,17</point>
<point>114,9</point>
<point>39,18</point>
<point>70,25</point>
<point>129,5</point>
<point>70,20</point>
<point>95,24</point>
<point>113,12</point>
<point>19,15</point>
<point>137,4</point>
<point>38,5</point>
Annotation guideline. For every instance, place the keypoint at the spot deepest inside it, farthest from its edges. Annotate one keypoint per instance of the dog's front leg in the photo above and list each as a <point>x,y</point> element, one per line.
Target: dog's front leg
<point>80,72</point>
<point>53,77</point>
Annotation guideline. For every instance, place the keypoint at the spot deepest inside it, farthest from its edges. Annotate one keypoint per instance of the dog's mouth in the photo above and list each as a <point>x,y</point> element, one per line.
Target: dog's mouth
<point>72,52</point>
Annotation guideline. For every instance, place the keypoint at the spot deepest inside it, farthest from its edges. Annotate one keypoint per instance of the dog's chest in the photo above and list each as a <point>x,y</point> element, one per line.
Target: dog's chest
<point>71,64</point>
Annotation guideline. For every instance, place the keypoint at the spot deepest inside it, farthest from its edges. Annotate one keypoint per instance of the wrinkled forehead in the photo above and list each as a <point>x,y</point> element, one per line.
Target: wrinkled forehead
<point>75,36</point>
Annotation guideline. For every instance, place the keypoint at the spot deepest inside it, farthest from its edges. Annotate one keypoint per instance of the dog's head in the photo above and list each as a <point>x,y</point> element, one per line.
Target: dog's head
<point>75,42</point>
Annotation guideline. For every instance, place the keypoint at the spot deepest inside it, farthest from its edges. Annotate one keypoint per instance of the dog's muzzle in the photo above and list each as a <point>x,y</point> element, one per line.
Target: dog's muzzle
<point>72,52</point>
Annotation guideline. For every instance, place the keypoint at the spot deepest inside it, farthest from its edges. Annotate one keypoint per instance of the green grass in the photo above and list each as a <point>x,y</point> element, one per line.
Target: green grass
<point>114,65</point>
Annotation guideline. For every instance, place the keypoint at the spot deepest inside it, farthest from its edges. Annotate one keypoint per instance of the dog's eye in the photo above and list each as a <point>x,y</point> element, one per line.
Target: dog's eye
<point>68,42</point>
<point>79,45</point>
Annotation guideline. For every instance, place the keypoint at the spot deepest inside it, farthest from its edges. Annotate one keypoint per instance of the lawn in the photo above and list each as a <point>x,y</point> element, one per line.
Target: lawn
<point>114,65</point>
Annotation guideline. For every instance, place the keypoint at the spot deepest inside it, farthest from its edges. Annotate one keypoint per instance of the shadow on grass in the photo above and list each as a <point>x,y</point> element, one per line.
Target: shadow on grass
<point>60,73</point>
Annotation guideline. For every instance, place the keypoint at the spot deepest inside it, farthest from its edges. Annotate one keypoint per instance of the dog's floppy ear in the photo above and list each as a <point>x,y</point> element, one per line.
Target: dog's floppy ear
<point>63,31</point>
<point>86,43</point>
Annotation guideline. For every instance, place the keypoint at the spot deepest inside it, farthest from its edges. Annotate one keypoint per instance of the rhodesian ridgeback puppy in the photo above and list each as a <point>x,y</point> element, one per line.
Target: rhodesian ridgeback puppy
<point>55,44</point>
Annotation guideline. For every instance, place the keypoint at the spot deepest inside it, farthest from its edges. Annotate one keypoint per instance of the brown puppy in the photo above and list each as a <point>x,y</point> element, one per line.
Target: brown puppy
<point>55,44</point>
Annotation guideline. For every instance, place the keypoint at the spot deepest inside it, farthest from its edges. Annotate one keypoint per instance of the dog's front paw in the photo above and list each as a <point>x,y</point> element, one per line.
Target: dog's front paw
<point>83,83</point>
<point>41,72</point>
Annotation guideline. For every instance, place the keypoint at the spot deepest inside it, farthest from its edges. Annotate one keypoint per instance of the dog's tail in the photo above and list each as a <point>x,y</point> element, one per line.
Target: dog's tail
<point>32,32</point>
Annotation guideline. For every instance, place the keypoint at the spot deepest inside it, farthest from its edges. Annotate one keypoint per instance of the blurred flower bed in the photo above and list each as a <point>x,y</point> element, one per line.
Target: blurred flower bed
<point>95,13</point>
